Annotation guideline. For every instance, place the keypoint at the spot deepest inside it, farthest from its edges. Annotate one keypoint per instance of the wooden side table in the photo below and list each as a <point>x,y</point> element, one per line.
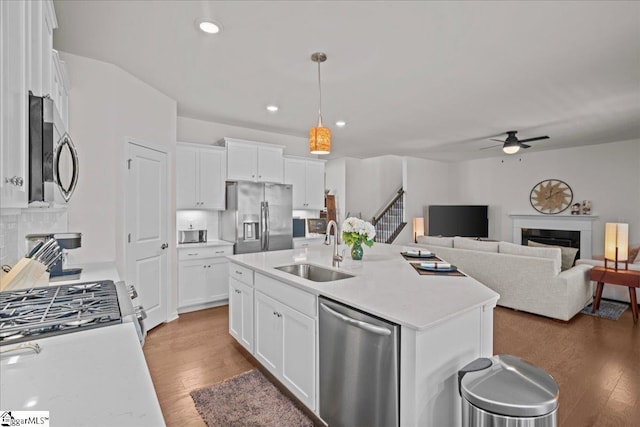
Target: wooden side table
<point>628,278</point>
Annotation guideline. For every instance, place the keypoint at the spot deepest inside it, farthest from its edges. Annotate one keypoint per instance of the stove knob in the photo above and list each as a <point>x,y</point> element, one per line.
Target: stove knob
<point>139,312</point>
<point>132,292</point>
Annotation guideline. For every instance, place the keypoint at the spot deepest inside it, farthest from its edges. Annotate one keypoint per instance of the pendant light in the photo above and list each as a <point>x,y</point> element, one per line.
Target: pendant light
<point>319,136</point>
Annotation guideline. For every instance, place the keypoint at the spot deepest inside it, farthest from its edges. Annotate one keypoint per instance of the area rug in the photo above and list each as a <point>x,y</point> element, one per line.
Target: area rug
<point>248,399</point>
<point>608,309</point>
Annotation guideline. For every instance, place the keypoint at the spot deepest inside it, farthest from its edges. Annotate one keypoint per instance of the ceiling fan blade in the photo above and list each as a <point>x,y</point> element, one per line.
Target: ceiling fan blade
<point>497,140</point>
<point>534,139</point>
<point>524,145</point>
<point>493,146</point>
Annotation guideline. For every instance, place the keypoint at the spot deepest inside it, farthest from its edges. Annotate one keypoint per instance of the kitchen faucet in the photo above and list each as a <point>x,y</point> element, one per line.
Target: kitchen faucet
<point>327,241</point>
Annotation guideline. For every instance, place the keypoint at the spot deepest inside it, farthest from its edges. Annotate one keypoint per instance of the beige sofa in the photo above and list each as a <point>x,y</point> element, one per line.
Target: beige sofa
<point>527,278</point>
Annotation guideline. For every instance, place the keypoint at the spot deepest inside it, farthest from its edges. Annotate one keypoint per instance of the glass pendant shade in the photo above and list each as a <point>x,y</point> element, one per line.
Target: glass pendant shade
<point>320,140</point>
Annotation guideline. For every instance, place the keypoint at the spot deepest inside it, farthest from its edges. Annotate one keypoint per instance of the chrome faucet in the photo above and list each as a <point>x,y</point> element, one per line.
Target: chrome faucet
<point>327,241</point>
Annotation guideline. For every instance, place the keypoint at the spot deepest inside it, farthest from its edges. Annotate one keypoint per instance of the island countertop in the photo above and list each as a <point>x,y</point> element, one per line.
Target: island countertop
<point>384,285</point>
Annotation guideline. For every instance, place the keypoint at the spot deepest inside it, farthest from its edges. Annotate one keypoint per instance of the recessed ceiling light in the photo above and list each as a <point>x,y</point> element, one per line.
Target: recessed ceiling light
<point>208,26</point>
<point>272,108</point>
<point>341,123</point>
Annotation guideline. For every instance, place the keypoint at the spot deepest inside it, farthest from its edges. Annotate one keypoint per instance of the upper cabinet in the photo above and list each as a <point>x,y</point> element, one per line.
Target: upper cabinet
<point>254,161</point>
<point>200,177</point>
<point>60,89</point>
<point>307,178</point>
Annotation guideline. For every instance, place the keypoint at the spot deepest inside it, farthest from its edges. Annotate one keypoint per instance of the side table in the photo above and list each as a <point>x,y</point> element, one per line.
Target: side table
<point>628,278</point>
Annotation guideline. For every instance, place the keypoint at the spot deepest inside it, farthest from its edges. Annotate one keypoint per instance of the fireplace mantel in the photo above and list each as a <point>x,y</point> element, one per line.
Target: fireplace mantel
<point>582,223</point>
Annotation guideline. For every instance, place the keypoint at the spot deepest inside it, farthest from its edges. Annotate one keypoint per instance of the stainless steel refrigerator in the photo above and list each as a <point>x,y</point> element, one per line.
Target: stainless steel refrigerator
<point>258,217</point>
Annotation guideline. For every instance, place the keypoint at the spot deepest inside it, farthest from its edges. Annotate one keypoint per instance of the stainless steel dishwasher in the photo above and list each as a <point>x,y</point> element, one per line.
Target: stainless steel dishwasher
<point>359,368</point>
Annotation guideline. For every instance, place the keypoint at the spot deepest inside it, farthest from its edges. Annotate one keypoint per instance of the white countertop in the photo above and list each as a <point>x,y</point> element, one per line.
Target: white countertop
<point>92,378</point>
<point>207,244</point>
<point>385,284</point>
<point>92,272</point>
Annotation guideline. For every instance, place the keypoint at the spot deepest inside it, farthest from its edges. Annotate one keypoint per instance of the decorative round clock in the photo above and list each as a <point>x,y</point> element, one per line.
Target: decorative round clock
<point>551,196</point>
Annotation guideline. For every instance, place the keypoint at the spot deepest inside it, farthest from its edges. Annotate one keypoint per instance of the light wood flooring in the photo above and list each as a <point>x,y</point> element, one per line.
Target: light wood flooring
<point>596,362</point>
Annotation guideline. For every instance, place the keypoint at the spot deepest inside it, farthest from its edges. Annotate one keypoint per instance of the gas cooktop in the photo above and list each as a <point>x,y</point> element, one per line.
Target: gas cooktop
<point>29,314</point>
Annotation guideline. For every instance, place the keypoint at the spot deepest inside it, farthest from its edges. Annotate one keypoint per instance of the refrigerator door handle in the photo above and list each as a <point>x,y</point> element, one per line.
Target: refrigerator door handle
<point>262,226</point>
<point>267,226</point>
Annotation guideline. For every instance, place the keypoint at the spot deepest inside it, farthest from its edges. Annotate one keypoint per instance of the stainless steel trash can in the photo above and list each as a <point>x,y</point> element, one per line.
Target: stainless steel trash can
<point>506,391</point>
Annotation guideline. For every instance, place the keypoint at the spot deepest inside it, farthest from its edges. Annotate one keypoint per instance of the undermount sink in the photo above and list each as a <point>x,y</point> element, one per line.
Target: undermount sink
<point>313,272</point>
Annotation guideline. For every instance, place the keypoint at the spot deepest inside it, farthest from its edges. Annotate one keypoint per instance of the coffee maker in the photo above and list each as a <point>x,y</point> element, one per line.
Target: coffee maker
<point>66,241</point>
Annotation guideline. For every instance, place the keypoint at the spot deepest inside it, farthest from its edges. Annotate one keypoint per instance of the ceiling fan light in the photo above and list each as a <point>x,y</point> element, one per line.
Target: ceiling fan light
<point>511,148</point>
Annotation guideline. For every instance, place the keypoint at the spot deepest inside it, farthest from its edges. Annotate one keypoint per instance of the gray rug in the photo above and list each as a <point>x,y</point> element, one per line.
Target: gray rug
<point>608,309</point>
<point>248,399</point>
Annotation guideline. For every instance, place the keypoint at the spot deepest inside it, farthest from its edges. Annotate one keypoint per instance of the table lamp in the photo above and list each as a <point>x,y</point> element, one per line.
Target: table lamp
<point>616,244</point>
<point>418,228</point>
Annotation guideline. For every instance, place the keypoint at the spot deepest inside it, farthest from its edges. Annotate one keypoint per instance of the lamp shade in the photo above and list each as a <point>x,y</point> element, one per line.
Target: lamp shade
<point>319,140</point>
<point>418,227</point>
<point>616,241</point>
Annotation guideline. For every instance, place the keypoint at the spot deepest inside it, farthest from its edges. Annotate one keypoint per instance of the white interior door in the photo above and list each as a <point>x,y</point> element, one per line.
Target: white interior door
<point>147,221</point>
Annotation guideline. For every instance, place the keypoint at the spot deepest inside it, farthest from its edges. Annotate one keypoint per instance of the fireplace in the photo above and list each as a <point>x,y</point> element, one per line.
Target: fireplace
<point>568,238</point>
<point>581,224</point>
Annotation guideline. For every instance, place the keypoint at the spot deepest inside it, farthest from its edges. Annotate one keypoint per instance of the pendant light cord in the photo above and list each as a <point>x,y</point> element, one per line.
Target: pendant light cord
<point>320,90</point>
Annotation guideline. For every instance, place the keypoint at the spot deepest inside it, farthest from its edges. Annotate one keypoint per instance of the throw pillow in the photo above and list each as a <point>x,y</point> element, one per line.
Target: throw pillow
<point>446,242</point>
<point>568,254</point>
<point>474,245</point>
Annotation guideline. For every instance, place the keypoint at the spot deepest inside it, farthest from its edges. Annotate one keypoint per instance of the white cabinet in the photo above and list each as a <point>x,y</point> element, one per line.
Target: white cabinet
<point>306,242</point>
<point>60,90</point>
<point>253,161</point>
<point>285,338</point>
<point>241,312</point>
<point>200,177</point>
<point>13,104</point>
<point>307,178</point>
<point>202,277</point>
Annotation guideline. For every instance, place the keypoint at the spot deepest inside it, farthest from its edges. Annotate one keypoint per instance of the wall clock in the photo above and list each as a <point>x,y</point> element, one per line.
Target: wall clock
<point>551,196</point>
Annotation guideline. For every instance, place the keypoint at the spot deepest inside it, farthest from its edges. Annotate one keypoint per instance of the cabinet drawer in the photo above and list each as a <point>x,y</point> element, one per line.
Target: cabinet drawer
<point>198,253</point>
<point>240,273</point>
<point>293,297</point>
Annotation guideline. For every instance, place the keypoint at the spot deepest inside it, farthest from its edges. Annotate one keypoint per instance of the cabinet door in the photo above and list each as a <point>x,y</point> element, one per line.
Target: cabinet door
<point>315,185</point>
<point>13,104</point>
<point>212,178</point>
<point>268,332</point>
<point>241,313</point>
<point>270,164</point>
<point>216,275</point>
<point>299,349</point>
<point>242,161</point>
<point>295,174</point>
<point>192,280</point>
<point>186,178</point>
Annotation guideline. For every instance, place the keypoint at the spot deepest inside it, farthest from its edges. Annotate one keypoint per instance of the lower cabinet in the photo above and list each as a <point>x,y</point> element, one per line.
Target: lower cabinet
<point>241,313</point>
<point>202,281</point>
<point>285,344</point>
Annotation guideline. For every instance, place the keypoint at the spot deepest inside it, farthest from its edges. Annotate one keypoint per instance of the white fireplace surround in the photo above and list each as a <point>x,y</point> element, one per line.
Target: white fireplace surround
<point>581,223</point>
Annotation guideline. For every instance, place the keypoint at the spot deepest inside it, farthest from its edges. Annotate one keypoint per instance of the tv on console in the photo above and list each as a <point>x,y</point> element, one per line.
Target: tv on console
<point>458,220</point>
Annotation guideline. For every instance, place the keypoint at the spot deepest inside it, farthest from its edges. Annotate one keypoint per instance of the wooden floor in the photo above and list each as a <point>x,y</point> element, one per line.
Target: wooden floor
<point>596,362</point>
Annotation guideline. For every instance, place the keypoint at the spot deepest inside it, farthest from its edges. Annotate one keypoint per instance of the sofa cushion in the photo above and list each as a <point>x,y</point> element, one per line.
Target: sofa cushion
<point>474,245</point>
<point>446,242</point>
<point>550,253</point>
<point>568,254</point>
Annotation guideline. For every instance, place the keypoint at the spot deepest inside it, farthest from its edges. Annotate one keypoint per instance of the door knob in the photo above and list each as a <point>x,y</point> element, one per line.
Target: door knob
<point>164,246</point>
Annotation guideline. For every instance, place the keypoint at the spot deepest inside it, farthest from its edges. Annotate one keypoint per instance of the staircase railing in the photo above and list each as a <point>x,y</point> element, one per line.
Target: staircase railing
<point>390,221</point>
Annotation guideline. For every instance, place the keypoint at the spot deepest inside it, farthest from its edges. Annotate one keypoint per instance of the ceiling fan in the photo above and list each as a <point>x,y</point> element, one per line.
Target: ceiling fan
<point>512,144</point>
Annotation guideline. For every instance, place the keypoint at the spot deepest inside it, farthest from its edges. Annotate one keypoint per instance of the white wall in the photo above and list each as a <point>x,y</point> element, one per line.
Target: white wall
<point>607,174</point>
<point>204,132</point>
<point>336,182</point>
<point>107,108</point>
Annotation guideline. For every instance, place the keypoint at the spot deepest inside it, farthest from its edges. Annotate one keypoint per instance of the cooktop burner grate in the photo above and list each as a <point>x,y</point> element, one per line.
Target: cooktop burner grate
<point>35,313</point>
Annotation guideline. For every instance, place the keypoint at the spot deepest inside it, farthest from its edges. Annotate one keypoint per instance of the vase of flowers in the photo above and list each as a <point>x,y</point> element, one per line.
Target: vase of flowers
<point>355,233</point>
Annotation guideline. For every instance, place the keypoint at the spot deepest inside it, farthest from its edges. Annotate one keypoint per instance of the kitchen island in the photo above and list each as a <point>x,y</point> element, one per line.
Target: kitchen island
<point>445,322</point>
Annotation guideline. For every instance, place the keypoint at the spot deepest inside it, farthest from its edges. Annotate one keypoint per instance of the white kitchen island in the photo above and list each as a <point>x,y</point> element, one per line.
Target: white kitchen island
<point>445,321</point>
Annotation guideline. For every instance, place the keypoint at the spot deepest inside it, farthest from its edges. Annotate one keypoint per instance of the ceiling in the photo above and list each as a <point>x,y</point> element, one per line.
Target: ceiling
<point>426,79</point>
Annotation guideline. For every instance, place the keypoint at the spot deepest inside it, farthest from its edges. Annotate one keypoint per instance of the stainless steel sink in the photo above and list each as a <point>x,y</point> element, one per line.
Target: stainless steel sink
<point>313,272</point>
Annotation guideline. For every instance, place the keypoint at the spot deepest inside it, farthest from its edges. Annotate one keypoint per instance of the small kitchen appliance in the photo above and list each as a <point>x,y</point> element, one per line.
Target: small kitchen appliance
<point>192,236</point>
<point>65,241</point>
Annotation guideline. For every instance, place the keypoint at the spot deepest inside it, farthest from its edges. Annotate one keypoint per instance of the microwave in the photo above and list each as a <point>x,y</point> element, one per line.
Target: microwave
<point>53,159</point>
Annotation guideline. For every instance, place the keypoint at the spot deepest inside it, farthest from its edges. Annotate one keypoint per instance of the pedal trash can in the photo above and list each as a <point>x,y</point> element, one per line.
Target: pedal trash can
<point>505,391</point>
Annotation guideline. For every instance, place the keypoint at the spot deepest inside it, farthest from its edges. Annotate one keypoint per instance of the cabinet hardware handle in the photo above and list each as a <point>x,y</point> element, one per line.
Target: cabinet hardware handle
<point>238,272</point>
<point>192,254</point>
<point>15,180</point>
<point>219,252</point>
<point>237,291</point>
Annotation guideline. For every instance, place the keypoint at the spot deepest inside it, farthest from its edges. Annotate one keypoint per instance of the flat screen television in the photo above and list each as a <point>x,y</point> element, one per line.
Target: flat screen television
<point>458,220</point>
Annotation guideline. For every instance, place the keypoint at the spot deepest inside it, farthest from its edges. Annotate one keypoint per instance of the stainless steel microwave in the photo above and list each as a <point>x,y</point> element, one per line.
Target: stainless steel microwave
<point>53,159</point>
